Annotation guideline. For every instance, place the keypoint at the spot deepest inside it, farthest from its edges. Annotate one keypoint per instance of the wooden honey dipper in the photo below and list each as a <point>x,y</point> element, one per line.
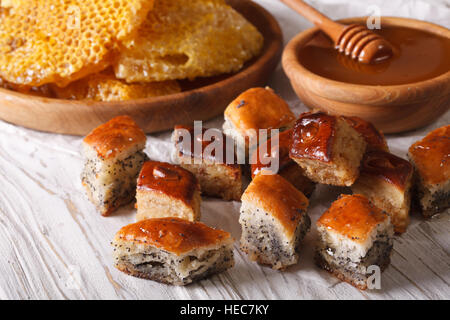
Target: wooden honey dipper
<point>354,40</point>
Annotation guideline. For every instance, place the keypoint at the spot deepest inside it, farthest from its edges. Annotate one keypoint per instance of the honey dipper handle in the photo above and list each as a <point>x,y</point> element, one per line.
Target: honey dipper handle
<point>331,28</point>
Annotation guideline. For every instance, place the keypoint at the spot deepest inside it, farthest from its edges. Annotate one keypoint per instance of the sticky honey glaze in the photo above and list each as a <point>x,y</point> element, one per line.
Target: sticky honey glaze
<point>352,216</point>
<point>394,170</point>
<point>173,234</point>
<point>418,56</point>
<point>167,179</point>
<point>312,136</point>
<point>431,156</point>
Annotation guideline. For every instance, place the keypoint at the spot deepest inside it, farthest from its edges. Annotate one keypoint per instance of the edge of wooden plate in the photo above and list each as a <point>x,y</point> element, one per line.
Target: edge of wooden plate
<point>153,114</point>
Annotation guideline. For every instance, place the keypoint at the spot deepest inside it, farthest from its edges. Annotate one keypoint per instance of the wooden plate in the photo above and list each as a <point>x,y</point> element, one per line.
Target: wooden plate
<point>202,100</point>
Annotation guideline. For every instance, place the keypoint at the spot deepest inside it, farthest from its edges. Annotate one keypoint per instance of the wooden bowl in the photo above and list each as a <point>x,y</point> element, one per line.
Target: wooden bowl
<point>202,99</point>
<point>393,108</point>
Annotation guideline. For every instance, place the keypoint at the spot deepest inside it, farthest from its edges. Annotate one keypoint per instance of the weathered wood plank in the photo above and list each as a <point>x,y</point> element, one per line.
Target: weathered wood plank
<point>54,245</point>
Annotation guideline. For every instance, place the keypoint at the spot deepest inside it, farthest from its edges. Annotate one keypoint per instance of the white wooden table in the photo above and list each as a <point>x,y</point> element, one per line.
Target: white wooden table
<point>54,245</point>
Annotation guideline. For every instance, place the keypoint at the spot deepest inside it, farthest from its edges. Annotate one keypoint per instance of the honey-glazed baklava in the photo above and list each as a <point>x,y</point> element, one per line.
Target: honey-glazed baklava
<point>386,180</point>
<point>113,158</point>
<point>217,175</point>
<point>172,250</point>
<point>167,190</point>
<point>431,160</point>
<point>353,235</point>
<point>327,148</point>
<point>273,220</point>
<point>254,109</point>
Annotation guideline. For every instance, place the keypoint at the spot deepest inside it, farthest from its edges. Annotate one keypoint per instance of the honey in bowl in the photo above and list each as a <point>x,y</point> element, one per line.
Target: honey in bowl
<point>418,56</point>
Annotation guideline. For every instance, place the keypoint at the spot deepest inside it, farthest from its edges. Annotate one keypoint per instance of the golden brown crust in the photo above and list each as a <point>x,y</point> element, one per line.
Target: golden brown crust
<point>169,179</point>
<point>280,151</point>
<point>385,165</point>
<point>188,149</point>
<point>352,216</point>
<point>374,138</point>
<point>431,156</point>
<point>313,136</point>
<point>279,198</point>
<point>115,136</point>
<point>259,108</point>
<point>174,235</point>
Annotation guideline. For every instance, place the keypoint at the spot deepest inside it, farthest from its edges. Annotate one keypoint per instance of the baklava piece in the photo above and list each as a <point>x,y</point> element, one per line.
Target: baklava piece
<point>327,148</point>
<point>386,180</point>
<point>167,190</point>
<point>257,108</point>
<point>172,251</point>
<point>272,157</point>
<point>114,156</point>
<point>353,235</point>
<point>431,160</point>
<point>374,138</point>
<point>205,155</point>
<point>273,220</point>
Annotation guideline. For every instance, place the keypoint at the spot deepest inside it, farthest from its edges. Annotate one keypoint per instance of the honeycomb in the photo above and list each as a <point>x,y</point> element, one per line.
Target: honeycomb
<point>59,41</point>
<point>105,87</point>
<point>192,39</point>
